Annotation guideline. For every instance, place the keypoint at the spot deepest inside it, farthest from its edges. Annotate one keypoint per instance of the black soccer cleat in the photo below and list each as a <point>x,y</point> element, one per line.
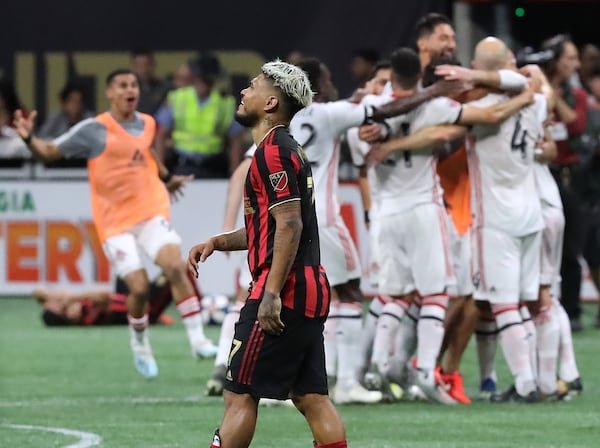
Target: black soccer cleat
<point>512,396</point>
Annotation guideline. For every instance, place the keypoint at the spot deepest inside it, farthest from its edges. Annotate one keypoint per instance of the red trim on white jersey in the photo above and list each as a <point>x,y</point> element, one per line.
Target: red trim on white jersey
<point>331,179</point>
<point>347,243</point>
<point>475,177</point>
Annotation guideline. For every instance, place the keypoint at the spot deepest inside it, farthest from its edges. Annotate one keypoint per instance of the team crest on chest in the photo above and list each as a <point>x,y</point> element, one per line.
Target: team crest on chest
<point>279,180</point>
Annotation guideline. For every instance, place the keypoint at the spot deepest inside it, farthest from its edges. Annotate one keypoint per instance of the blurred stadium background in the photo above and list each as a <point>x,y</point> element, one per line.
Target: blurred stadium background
<point>77,378</point>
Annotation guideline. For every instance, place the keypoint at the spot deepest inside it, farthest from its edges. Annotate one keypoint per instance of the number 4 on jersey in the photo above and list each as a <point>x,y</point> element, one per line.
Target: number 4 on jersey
<point>517,142</point>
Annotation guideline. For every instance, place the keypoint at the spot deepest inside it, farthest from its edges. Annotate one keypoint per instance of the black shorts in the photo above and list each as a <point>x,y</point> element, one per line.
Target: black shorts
<point>266,366</point>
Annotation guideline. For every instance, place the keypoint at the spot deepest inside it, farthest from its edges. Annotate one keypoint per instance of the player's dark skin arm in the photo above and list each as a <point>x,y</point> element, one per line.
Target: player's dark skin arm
<point>224,242</point>
<point>288,230</point>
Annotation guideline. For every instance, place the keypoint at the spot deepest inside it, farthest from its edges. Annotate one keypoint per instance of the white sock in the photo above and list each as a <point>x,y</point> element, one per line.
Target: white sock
<point>138,328</point>
<point>369,329</point>
<point>386,333</point>
<point>226,334</point>
<point>568,367</point>
<point>513,338</point>
<point>548,338</point>
<point>348,338</point>
<point>531,339</point>
<point>430,330</point>
<point>189,309</point>
<point>486,336</point>
<point>330,341</point>
<point>404,346</point>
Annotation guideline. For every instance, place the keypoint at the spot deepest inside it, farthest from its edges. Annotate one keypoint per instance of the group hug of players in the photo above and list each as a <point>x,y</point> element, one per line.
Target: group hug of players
<point>466,227</point>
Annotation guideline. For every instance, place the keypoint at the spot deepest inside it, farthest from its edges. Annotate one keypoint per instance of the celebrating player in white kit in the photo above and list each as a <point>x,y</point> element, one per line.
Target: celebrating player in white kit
<point>318,129</point>
<point>413,240</point>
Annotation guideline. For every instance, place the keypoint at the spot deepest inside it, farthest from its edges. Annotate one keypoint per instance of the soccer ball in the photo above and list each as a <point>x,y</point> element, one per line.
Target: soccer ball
<point>214,308</point>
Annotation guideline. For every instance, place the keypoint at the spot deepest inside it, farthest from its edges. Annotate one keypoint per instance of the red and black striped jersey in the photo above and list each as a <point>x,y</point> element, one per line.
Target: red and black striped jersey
<point>114,313</point>
<point>279,173</point>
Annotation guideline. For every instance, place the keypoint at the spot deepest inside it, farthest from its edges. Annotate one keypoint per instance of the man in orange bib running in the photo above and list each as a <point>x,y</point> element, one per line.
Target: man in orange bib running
<point>130,206</point>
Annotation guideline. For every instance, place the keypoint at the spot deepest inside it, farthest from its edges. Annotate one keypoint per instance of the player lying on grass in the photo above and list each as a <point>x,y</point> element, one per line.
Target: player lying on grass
<point>100,307</point>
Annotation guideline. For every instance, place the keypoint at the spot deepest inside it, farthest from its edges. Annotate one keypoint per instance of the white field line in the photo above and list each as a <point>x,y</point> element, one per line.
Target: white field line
<point>86,439</point>
<point>96,400</point>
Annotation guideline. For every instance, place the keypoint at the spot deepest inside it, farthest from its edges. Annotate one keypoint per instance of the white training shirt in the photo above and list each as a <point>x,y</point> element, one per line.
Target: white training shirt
<point>318,128</point>
<point>504,194</point>
<point>409,178</point>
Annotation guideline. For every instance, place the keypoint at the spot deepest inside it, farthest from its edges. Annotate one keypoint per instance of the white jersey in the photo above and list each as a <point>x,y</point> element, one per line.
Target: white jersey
<point>545,183</point>
<point>359,148</point>
<point>501,168</point>
<point>409,178</point>
<point>318,128</point>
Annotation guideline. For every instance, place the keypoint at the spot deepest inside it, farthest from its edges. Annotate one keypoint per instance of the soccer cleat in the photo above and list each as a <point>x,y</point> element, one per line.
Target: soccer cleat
<point>205,349</point>
<point>214,386</point>
<point>143,359</point>
<point>455,381</point>
<point>568,390</point>
<point>356,394</point>
<point>433,386</point>
<point>512,396</point>
<point>486,390</point>
<point>375,380</point>
<point>165,319</point>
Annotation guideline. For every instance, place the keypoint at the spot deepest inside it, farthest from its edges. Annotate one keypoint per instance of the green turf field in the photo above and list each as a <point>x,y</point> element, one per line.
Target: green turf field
<point>83,380</point>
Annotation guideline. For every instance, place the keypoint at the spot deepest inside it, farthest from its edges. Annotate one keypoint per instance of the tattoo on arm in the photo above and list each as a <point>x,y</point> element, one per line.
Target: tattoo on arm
<point>288,230</point>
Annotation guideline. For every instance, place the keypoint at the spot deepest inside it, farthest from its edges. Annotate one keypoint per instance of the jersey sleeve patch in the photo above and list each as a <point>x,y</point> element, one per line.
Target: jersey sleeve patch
<point>279,181</point>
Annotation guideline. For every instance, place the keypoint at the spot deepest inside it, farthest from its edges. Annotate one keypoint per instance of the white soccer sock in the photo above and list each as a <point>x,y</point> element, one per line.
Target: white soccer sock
<point>348,338</point>
<point>486,336</point>
<point>513,338</point>
<point>568,367</point>
<point>430,330</point>
<point>189,309</point>
<point>227,332</point>
<point>369,329</point>
<point>531,338</point>
<point>330,341</point>
<point>385,335</point>
<point>548,338</point>
<point>138,328</point>
<point>405,344</point>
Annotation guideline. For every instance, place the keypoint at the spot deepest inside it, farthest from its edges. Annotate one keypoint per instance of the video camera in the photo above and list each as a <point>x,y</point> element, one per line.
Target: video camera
<point>528,56</point>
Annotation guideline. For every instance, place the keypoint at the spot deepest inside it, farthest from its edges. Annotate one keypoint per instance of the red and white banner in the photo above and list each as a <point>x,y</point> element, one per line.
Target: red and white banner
<point>47,237</point>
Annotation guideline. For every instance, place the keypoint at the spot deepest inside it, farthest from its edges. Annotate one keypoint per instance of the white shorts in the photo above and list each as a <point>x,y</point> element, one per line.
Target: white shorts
<point>460,251</point>
<point>506,267</point>
<point>552,243</point>
<point>122,250</point>
<point>339,256</point>
<point>414,252</point>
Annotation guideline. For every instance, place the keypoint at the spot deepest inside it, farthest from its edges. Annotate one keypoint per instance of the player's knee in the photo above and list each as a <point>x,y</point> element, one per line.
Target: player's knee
<point>238,401</point>
<point>309,402</point>
<point>175,271</point>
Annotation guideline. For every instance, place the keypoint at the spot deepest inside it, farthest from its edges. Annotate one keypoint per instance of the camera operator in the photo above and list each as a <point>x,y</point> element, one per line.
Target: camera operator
<point>570,116</point>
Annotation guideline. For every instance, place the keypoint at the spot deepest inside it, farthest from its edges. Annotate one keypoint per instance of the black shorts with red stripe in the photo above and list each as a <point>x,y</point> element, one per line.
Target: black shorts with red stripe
<point>278,367</point>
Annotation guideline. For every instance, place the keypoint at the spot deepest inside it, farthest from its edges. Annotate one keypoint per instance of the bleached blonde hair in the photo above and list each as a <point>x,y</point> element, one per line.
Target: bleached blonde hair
<point>292,81</point>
